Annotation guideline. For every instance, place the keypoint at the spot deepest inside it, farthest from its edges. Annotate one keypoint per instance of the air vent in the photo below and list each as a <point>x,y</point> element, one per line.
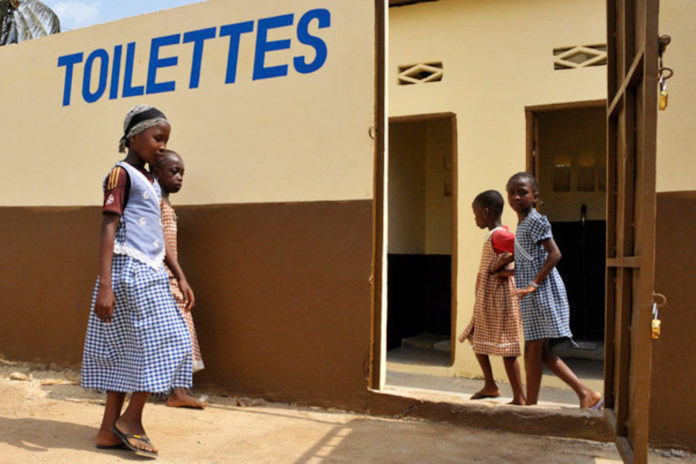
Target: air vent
<point>421,73</point>
<point>579,56</point>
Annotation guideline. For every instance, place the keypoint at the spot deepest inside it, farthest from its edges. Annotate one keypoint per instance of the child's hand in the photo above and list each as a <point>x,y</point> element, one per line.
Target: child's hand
<point>522,292</point>
<point>187,291</point>
<point>461,338</point>
<point>104,305</point>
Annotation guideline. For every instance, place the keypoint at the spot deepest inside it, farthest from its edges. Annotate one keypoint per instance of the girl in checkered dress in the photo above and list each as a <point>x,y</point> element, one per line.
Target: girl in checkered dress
<point>495,325</point>
<point>137,341</point>
<point>543,301</point>
<point>169,172</point>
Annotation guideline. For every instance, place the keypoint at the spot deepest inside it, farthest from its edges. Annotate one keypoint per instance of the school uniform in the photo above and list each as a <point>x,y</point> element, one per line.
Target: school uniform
<point>169,222</point>
<point>146,347</point>
<point>495,325</point>
<point>545,312</point>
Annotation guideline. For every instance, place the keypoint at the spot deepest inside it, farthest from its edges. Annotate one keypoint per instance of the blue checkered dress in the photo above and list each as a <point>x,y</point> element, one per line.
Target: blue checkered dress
<point>545,312</point>
<point>147,346</point>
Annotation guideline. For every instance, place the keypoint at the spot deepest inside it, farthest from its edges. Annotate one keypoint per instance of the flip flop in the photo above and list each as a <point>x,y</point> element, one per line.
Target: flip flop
<point>139,452</point>
<point>598,405</point>
<point>480,396</point>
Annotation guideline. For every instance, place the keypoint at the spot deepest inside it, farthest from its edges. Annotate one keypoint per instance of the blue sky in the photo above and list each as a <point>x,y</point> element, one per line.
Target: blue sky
<point>74,14</point>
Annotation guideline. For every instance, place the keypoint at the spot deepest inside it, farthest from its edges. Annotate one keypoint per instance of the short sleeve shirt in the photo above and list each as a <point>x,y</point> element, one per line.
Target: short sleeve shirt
<point>116,189</point>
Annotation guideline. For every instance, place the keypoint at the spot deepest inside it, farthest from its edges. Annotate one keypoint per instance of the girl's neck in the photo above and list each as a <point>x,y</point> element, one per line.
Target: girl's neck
<point>165,197</point>
<point>134,160</point>
<point>521,215</point>
<point>494,224</point>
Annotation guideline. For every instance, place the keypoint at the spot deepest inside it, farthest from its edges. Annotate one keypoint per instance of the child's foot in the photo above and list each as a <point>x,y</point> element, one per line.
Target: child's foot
<point>591,400</point>
<point>135,438</point>
<point>518,402</point>
<point>485,393</point>
<point>106,439</point>
<point>179,398</point>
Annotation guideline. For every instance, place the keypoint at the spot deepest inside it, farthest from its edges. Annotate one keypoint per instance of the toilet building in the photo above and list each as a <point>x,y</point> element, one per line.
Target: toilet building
<point>332,152</point>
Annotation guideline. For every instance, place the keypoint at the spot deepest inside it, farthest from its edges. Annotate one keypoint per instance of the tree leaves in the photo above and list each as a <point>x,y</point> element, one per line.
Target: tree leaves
<point>25,20</point>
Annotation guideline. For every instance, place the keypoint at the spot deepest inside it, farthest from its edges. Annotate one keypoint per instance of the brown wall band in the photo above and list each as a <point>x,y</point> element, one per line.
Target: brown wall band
<point>283,292</point>
<point>674,354</point>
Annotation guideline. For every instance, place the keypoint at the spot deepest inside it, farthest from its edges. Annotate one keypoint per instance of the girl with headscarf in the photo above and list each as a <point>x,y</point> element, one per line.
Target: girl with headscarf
<point>137,341</point>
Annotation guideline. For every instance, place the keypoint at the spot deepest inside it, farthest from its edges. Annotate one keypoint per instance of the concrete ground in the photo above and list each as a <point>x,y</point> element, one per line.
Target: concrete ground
<point>415,366</point>
<point>48,418</point>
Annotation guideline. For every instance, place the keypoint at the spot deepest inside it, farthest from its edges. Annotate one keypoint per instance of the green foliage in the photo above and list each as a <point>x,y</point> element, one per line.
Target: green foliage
<point>25,20</point>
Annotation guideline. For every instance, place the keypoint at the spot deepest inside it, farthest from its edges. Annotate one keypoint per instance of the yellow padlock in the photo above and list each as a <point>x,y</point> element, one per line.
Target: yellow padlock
<point>656,323</point>
<point>663,99</point>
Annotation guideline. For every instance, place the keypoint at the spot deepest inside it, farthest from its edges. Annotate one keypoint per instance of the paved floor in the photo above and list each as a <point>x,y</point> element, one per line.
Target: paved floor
<point>428,369</point>
<point>48,419</point>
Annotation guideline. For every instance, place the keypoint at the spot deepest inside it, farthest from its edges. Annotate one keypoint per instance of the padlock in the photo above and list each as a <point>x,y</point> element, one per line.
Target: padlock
<point>656,323</point>
<point>663,100</point>
<point>662,103</point>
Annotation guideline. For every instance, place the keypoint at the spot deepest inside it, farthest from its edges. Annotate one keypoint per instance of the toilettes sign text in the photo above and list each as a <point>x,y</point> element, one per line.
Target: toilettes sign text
<point>114,68</point>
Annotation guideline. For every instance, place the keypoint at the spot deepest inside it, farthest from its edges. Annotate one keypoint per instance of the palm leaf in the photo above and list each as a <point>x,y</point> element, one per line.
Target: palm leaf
<point>28,20</point>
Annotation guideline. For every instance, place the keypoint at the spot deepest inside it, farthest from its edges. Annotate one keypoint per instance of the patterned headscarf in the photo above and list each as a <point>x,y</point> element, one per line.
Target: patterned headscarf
<point>138,119</point>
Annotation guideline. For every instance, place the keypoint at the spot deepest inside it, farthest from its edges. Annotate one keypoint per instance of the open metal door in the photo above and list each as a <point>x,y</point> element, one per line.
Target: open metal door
<point>632,27</point>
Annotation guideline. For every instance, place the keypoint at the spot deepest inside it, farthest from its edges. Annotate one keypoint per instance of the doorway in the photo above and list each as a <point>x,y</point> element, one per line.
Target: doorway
<point>567,154</point>
<point>421,268</point>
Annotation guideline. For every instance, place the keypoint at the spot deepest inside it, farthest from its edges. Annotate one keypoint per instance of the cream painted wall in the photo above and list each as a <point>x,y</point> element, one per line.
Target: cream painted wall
<point>420,214</point>
<point>572,133</point>
<point>497,59</point>
<point>302,137</point>
<point>407,146</point>
<point>676,137</point>
<point>438,210</point>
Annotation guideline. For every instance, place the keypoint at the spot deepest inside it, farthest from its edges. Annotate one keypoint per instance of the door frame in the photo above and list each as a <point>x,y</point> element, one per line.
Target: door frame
<point>632,50</point>
<point>377,376</point>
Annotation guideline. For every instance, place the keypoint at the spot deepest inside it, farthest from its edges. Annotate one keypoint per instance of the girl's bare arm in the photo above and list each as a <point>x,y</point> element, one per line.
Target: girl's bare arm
<point>104,304</point>
<point>173,264</point>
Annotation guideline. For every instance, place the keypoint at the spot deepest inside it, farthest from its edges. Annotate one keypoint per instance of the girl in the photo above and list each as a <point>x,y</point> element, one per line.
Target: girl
<point>169,172</point>
<point>495,326</point>
<point>136,341</point>
<point>543,300</point>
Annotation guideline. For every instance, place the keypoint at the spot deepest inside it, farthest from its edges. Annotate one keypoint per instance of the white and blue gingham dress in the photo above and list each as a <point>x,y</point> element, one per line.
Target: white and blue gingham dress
<point>146,347</point>
<point>545,312</point>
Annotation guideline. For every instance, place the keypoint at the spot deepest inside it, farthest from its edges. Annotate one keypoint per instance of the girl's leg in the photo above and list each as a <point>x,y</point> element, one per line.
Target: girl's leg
<point>490,389</point>
<point>532,368</point>
<point>131,422</point>
<point>587,396</point>
<point>112,411</point>
<point>512,367</point>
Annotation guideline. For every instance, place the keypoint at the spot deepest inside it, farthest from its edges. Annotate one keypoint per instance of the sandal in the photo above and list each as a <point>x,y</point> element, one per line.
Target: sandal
<point>139,452</point>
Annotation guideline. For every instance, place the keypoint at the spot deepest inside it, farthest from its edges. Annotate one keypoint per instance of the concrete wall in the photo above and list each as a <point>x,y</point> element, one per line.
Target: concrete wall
<point>497,59</point>
<point>574,134</point>
<point>420,213</point>
<point>674,354</point>
<point>273,139</point>
<point>438,178</point>
<point>407,148</point>
<point>276,211</point>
